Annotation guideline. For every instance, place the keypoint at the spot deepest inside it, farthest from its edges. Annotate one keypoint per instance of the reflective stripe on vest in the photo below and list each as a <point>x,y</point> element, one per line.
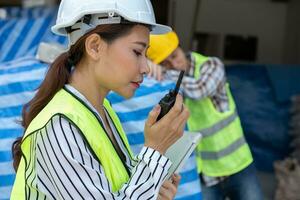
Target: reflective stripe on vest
<point>219,125</point>
<point>210,155</point>
<point>67,104</point>
<point>223,150</point>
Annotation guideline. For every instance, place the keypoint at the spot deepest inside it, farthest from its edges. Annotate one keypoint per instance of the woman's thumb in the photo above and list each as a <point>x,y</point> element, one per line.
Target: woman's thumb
<point>176,179</point>
<point>153,115</point>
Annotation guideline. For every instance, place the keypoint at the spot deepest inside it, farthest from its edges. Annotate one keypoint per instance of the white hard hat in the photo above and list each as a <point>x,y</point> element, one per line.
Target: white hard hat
<point>77,17</point>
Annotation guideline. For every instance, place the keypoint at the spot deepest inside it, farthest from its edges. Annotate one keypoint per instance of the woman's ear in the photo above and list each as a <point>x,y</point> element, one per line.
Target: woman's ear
<point>94,45</point>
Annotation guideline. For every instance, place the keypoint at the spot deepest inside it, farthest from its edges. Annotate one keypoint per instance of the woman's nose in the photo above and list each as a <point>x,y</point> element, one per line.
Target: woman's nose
<point>145,69</point>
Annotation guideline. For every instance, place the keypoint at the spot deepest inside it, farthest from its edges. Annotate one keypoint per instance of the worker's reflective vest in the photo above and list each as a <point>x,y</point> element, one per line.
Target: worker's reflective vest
<point>223,150</point>
<point>92,131</point>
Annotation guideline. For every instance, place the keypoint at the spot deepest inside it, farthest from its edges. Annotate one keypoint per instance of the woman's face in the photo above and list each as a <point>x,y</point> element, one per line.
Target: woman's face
<point>124,62</point>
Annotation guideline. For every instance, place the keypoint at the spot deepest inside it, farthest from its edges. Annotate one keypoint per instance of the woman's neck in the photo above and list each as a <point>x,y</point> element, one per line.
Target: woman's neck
<point>88,87</point>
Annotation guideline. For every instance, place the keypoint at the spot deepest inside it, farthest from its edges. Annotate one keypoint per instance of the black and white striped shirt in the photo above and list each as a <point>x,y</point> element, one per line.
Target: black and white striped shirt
<point>62,165</point>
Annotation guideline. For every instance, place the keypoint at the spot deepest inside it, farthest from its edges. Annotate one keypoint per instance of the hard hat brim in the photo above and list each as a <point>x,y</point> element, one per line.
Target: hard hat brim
<point>157,29</point>
<point>160,29</point>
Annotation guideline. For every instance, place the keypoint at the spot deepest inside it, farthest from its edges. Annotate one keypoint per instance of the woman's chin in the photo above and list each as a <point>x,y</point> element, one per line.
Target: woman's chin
<point>126,95</point>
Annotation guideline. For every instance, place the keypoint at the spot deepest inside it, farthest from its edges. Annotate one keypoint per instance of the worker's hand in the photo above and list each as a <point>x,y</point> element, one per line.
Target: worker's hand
<point>168,189</point>
<point>155,71</point>
<point>160,135</point>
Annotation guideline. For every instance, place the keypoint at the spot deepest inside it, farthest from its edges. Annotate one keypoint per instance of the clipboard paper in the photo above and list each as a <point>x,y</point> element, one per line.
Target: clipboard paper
<point>181,150</point>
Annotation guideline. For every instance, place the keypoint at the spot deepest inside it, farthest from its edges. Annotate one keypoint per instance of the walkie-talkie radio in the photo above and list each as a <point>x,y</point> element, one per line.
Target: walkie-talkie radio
<point>168,101</point>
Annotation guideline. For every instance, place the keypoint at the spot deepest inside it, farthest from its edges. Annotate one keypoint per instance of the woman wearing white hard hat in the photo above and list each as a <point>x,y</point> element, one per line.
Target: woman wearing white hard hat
<point>74,146</point>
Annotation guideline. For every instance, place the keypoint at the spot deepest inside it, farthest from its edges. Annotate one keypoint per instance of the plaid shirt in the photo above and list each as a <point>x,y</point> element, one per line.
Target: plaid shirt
<point>211,83</point>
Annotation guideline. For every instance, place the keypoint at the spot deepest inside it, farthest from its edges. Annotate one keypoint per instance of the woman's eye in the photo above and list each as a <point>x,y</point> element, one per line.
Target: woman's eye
<point>137,52</point>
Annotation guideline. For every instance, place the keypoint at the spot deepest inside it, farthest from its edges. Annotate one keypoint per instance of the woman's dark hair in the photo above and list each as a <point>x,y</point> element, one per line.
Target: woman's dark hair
<point>59,74</point>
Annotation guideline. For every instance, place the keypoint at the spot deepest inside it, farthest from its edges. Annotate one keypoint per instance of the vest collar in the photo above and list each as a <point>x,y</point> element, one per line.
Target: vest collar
<point>80,97</point>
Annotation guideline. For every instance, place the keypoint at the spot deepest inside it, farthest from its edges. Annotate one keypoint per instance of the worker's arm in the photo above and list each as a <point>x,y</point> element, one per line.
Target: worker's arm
<point>212,74</point>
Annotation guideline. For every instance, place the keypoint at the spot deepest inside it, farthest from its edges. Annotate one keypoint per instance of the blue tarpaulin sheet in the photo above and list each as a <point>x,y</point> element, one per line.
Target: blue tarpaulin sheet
<point>263,116</point>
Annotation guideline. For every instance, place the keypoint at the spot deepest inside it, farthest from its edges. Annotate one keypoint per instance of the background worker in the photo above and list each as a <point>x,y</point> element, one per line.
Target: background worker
<point>223,156</point>
<point>74,146</point>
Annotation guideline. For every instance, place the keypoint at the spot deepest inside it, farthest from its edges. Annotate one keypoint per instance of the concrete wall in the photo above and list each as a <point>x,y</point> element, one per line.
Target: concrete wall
<point>292,39</point>
<point>260,18</point>
<point>181,16</point>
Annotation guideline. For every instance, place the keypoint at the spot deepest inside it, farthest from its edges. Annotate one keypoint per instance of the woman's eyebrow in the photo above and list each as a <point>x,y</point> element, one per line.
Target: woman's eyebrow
<point>142,44</point>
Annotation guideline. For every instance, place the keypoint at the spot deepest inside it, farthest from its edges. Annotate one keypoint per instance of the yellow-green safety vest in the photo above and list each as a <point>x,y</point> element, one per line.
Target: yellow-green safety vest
<point>92,131</point>
<point>223,150</point>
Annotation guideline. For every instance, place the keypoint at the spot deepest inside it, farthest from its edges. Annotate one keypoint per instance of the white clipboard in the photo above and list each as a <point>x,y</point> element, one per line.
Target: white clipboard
<point>181,150</point>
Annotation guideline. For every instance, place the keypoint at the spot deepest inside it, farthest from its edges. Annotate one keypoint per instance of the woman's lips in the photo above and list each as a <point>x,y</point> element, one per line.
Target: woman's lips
<point>136,84</point>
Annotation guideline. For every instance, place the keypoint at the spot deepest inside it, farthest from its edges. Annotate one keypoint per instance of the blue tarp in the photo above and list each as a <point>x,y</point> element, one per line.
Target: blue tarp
<point>20,35</point>
<point>263,116</point>
<point>284,81</point>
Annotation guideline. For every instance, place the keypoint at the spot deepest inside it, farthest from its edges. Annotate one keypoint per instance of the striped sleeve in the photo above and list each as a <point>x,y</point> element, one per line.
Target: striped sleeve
<point>212,74</point>
<point>66,168</point>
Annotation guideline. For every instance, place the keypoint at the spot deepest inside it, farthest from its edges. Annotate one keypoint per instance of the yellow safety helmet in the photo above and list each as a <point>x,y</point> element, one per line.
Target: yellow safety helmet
<point>161,46</point>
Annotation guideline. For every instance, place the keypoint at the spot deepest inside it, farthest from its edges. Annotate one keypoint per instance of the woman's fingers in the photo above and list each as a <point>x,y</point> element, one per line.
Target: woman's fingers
<point>175,110</point>
<point>176,179</point>
<point>152,116</point>
<point>169,186</point>
<point>182,118</point>
<point>167,190</point>
<point>159,135</point>
<point>159,197</point>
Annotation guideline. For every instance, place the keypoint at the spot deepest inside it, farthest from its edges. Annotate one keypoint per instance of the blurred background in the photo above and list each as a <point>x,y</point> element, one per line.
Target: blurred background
<point>258,40</point>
